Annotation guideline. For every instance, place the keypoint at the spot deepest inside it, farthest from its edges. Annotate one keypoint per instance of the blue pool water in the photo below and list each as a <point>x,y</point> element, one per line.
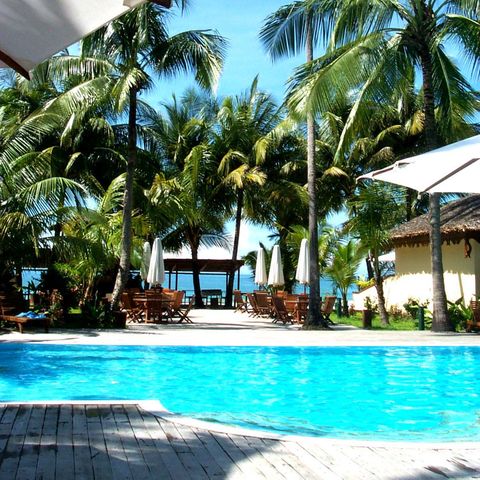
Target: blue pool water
<point>391,393</point>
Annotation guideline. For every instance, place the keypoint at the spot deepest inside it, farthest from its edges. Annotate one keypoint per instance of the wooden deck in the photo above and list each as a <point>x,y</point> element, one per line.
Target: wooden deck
<point>126,442</point>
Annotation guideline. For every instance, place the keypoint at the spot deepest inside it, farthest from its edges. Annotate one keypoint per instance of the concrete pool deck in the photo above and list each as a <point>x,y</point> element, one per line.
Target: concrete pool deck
<point>103,440</point>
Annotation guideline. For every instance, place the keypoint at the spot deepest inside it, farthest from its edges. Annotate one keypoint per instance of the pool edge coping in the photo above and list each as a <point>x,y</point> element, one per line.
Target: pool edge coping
<point>156,408</point>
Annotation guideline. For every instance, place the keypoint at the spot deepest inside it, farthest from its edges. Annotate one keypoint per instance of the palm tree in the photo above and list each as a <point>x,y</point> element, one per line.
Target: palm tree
<point>373,212</point>
<point>375,47</point>
<point>244,126</point>
<point>134,45</point>
<point>343,268</point>
<point>284,33</point>
<point>189,181</point>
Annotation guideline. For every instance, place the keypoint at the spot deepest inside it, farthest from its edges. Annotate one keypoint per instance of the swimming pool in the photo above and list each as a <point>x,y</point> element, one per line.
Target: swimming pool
<point>373,393</point>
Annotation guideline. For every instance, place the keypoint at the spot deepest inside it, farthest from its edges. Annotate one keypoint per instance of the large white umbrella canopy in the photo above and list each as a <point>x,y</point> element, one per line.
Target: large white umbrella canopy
<point>302,274</point>
<point>260,269</point>
<point>146,256</point>
<point>156,271</point>
<point>454,168</point>
<point>34,30</point>
<point>275,274</point>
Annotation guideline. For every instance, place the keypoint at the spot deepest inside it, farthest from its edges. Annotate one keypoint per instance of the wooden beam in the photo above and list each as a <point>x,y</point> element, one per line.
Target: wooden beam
<point>7,60</point>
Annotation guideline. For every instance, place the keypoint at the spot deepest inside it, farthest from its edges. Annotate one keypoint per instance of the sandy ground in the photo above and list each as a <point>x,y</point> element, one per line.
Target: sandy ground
<point>224,327</point>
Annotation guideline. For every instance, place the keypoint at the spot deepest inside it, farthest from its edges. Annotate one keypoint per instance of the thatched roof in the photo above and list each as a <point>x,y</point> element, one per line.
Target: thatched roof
<point>459,220</point>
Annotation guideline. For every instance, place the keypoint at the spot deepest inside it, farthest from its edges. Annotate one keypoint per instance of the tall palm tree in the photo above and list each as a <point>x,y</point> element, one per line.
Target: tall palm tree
<point>375,46</point>
<point>290,29</point>
<point>244,124</point>
<point>134,45</point>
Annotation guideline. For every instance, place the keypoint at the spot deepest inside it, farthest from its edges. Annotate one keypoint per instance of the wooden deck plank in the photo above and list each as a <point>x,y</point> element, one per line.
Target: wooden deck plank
<point>81,447</point>
<point>12,452</point>
<point>216,451</point>
<point>27,466</point>
<point>113,433</point>
<point>64,459</point>
<point>166,451</point>
<point>133,453</point>
<point>146,443</point>
<point>48,444</point>
<point>101,461</point>
<point>184,452</point>
<point>238,456</point>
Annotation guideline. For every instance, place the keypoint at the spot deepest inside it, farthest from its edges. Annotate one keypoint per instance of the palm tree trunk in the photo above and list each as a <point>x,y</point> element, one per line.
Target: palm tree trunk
<point>125,248</point>
<point>380,293</point>
<point>196,276</point>
<point>314,312</point>
<point>345,303</point>
<point>440,320</point>
<point>236,240</point>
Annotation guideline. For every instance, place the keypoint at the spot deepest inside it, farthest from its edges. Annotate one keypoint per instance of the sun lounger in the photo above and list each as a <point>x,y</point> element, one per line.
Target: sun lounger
<point>21,321</point>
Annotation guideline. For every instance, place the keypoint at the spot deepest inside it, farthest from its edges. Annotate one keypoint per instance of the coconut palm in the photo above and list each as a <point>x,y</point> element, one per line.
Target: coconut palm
<point>287,31</point>
<point>375,46</point>
<point>244,136</point>
<point>343,268</point>
<point>135,45</point>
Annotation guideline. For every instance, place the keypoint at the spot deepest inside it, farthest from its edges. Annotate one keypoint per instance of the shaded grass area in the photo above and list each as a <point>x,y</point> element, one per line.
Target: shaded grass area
<point>396,323</point>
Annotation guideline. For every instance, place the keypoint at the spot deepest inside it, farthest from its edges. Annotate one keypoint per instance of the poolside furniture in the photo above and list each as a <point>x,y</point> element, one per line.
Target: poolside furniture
<point>327,307</point>
<point>22,321</point>
<point>158,308</point>
<point>134,311</point>
<point>213,297</point>
<point>183,312</point>
<point>254,312</point>
<point>474,323</point>
<point>177,302</point>
<point>264,303</point>
<point>301,310</point>
<point>281,312</point>
<point>241,304</point>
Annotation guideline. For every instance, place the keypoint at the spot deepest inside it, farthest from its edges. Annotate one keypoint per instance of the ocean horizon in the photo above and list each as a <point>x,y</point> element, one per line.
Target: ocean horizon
<point>207,282</point>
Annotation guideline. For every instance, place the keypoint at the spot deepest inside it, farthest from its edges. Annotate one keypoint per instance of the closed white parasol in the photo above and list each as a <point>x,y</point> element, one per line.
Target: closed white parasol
<point>145,265</point>
<point>275,274</point>
<point>156,271</point>
<point>260,269</point>
<point>302,274</point>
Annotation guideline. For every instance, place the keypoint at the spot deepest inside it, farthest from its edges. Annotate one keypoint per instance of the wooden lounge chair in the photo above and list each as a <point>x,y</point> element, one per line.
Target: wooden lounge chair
<point>474,323</point>
<point>281,312</point>
<point>183,312</point>
<point>241,304</point>
<point>327,307</point>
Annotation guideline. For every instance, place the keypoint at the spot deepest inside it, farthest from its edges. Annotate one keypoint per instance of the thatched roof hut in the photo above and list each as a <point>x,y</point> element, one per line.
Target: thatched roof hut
<point>460,220</point>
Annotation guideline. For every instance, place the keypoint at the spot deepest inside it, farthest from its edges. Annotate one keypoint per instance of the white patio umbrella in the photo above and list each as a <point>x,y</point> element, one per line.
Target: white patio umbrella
<point>33,30</point>
<point>302,274</point>
<point>146,256</point>
<point>156,270</point>
<point>260,269</point>
<point>454,168</point>
<point>275,274</point>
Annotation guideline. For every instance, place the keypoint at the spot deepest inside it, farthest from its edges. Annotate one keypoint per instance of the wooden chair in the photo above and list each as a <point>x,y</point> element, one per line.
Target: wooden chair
<point>159,309</point>
<point>254,311</point>
<point>241,304</point>
<point>474,323</point>
<point>301,310</point>
<point>177,302</point>
<point>327,307</point>
<point>281,312</point>
<point>134,312</point>
<point>183,312</point>
<point>263,303</point>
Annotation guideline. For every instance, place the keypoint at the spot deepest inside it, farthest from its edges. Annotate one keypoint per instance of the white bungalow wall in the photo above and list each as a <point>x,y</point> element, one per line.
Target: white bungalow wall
<point>413,275</point>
